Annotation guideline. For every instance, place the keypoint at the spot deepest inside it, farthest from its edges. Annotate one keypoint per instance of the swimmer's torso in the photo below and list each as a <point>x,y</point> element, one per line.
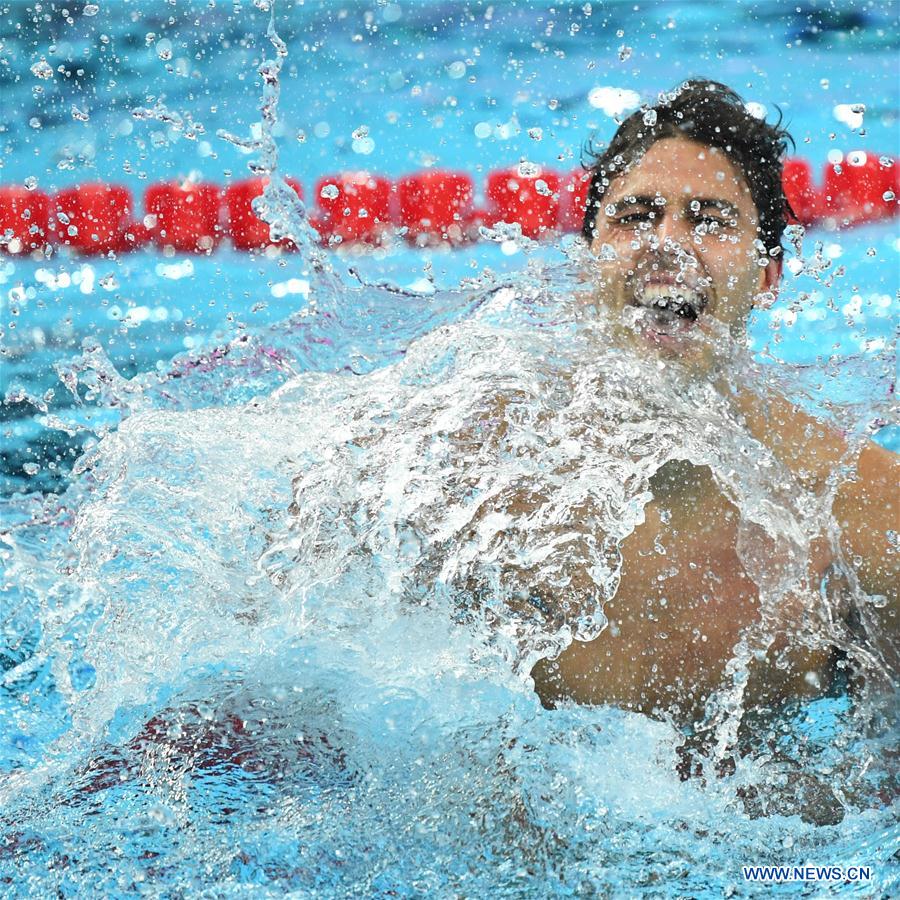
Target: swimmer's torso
<point>682,604</point>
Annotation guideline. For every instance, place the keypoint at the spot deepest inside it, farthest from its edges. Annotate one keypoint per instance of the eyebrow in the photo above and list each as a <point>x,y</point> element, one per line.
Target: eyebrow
<point>646,200</point>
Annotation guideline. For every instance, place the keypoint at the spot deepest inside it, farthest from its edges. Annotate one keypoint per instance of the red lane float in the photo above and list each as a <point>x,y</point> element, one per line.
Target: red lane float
<point>527,196</point>
<point>353,206</point>
<point>24,219</point>
<point>187,216</point>
<point>246,230</point>
<point>573,200</point>
<point>95,219</point>
<point>433,207</point>
<point>861,188</point>
<point>800,192</point>
<point>436,206</point>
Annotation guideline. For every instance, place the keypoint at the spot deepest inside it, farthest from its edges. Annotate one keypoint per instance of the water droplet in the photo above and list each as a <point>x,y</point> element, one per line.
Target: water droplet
<point>31,468</point>
<point>535,133</point>
<point>109,282</point>
<point>42,69</point>
<point>607,253</point>
<point>649,118</point>
<point>164,50</point>
<point>871,251</point>
<point>330,192</point>
<point>31,183</point>
<point>528,169</point>
<point>90,9</point>
<point>80,115</point>
<point>360,133</point>
<point>456,69</point>
<point>625,52</point>
<point>824,84</point>
<point>888,195</point>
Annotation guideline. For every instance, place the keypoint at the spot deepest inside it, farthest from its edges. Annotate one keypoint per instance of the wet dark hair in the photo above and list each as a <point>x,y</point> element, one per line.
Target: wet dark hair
<point>709,113</point>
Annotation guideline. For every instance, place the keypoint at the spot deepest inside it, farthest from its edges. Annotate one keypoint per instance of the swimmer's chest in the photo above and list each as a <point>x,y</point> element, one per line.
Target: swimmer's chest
<point>685,552</point>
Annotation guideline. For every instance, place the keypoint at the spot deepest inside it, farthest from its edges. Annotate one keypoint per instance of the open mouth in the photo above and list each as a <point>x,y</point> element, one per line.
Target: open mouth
<point>670,307</point>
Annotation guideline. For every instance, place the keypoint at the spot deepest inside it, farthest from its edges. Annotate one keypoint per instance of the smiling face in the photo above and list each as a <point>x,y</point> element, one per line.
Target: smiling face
<point>682,225</point>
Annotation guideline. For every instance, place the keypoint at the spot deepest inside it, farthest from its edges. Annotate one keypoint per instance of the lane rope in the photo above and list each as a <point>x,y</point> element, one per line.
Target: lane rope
<point>425,208</point>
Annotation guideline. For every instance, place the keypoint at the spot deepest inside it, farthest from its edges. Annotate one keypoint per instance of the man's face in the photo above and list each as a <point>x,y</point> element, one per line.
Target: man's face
<point>682,225</point>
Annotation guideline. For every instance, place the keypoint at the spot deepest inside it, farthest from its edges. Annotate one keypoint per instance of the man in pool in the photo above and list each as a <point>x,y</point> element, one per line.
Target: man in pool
<point>686,213</point>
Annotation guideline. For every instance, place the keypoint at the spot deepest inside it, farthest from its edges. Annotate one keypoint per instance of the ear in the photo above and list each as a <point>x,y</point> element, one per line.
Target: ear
<point>770,276</point>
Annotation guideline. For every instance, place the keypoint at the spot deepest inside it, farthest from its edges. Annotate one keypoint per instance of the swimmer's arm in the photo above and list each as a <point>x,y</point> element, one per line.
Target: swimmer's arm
<point>867,501</point>
<point>867,509</point>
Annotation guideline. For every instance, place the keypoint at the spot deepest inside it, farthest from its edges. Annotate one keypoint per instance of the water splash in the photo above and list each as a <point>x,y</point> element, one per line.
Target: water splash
<point>278,205</point>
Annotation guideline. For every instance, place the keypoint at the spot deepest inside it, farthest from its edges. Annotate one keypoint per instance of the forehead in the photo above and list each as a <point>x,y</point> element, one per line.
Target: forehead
<point>676,168</point>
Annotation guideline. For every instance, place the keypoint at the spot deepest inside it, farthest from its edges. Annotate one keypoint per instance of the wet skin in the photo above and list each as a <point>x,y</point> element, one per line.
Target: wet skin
<point>683,226</point>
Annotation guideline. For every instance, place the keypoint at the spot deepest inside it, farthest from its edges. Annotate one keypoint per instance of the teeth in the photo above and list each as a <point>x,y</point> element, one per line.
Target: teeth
<point>676,297</point>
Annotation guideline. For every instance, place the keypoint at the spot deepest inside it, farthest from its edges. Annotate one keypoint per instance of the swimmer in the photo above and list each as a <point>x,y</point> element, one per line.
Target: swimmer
<point>685,215</point>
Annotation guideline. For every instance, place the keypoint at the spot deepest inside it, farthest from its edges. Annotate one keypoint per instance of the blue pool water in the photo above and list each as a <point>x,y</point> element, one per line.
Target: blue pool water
<point>233,661</point>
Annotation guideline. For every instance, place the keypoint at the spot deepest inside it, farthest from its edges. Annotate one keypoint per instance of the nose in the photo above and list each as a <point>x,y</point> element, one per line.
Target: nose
<point>671,227</point>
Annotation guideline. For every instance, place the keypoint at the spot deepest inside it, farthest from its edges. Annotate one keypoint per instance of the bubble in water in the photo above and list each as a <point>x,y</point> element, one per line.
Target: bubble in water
<point>535,134</point>
<point>542,188</point>
<point>553,104</point>
<point>888,195</point>
<point>31,183</point>
<point>109,282</point>
<point>649,118</point>
<point>456,69</point>
<point>625,52</point>
<point>31,468</point>
<point>528,169</point>
<point>42,69</point>
<point>330,192</point>
<point>164,50</point>
<point>90,9</point>
<point>80,115</point>
<point>824,84</point>
<point>360,133</point>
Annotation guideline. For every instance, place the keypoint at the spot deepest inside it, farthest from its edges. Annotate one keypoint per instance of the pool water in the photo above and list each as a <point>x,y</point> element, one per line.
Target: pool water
<point>236,655</point>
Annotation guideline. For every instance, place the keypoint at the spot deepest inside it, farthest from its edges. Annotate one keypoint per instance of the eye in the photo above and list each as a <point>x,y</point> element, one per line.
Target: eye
<point>635,218</point>
<point>710,224</point>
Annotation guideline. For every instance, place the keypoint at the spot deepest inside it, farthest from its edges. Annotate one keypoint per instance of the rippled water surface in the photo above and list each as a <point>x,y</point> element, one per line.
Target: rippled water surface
<point>263,628</point>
